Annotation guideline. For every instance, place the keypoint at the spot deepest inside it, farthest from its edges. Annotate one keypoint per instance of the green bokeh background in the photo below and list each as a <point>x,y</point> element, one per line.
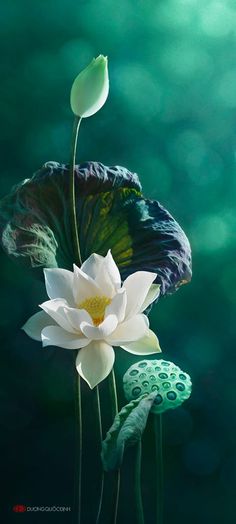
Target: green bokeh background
<point>170,117</point>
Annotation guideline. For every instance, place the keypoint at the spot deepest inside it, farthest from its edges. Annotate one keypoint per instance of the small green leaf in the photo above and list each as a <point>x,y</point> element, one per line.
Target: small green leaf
<point>126,430</point>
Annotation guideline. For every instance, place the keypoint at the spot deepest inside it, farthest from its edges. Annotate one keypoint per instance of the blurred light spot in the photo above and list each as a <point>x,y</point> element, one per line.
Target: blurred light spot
<point>204,169</point>
<point>106,23</point>
<point>226,90</point>
<point>74,56</point>
<point>187,148</point>
<point>210,233</point>
<point>173,15</point>
<point>187,2</point>
<point>184,61</point>
<point>141,94</point>
<point>202,456</point>
<point>154,175</point>
<point>217,19</point>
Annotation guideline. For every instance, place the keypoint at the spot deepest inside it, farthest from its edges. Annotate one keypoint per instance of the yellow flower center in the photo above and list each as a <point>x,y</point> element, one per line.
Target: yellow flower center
<point>95,306</point>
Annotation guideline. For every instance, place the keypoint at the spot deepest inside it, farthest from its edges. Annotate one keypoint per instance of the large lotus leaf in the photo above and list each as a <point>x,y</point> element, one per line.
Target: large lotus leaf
<point>35,223</point>
<point>126,430</point>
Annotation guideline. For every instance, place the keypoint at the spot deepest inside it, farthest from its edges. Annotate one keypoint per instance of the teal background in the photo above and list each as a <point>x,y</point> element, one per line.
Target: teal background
<point>170,117</point>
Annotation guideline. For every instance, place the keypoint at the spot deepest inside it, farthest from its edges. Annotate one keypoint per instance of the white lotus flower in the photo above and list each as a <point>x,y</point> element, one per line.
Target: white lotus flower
<point>91,311</point>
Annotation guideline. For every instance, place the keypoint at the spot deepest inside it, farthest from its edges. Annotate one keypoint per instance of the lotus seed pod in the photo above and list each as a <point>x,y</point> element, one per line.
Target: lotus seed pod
<point>172,384</point>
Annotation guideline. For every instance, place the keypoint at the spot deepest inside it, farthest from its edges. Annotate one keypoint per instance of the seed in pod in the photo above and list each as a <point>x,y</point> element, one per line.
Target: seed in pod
<point>173,386</point>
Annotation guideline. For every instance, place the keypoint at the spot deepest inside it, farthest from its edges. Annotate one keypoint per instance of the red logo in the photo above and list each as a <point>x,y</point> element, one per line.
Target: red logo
<point>19,508</point>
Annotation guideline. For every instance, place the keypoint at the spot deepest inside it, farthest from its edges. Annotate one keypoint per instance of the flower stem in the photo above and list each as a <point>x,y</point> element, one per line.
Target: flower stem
<point>100,434</point>
<point>158,467</point>
<point>78,260</point>
<point>78,450</point>
<point>137,487</point>
<point>114,407</point>
<point>74,225</point>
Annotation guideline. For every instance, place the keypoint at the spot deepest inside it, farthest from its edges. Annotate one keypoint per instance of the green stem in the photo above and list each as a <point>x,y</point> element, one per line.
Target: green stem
<point>114,407</point>
<point>78,260</point>
<point>100,435</point>
<point>159,467</point>
<point>80,447</point>
<point>74,226</point>
<point>78,450</point>
<point>137,486</point>
<point>113,393</point>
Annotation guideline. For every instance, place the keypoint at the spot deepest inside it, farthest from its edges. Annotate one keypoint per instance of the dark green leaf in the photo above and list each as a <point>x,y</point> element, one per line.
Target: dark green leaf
<point>35,223</point>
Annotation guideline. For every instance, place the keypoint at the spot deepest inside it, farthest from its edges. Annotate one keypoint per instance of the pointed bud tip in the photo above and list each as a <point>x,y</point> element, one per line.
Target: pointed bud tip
<point>90,88</point>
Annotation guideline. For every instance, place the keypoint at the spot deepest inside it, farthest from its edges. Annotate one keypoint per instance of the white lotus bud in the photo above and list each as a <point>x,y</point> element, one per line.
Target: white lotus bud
<point>90,88</point>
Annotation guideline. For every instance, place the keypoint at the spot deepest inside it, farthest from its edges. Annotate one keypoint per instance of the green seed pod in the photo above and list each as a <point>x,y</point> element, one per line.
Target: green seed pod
<point>172,384</point>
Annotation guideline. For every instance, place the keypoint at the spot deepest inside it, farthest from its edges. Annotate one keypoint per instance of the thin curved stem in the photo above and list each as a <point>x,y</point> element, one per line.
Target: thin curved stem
<point>80,447</point>
<point>159,467</point>
<point>113,392</point>
<point>78,451</point>
<point>100,434</point>
<point>114,406</point>
<point>78,260</point>
<point>74,226</point>
<point>137,486</point>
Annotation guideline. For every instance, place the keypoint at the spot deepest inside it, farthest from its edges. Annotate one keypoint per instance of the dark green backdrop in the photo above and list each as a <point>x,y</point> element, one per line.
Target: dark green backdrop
<point>171,117</point>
